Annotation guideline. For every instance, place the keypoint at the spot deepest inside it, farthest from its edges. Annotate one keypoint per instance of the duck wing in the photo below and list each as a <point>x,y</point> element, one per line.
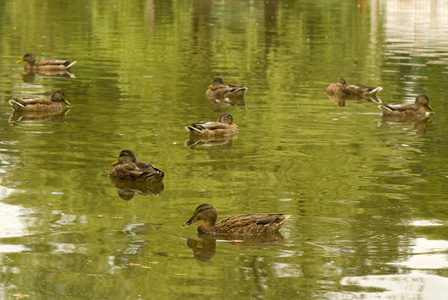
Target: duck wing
<point>55,62</point>
<point>220,91</point>
<point>141,169</point>
<point>400,107</point>
<point>148,168</point>
<point>251,223</point>
<point>365,89</point>
<point>29,101</point>
<point>204,125</point>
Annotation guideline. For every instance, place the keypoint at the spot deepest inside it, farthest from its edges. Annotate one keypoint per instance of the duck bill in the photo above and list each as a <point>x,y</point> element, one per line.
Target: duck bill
<point>66,102</point>
<point>19,61</point>
<point>189,222</point>
<point>115,162</point>
<point>430,107</point>
<point>210,85</point>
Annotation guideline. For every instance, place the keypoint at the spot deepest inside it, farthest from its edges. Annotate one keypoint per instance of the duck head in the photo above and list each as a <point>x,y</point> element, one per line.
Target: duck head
<point>126,156</point>
<point>204,212</point>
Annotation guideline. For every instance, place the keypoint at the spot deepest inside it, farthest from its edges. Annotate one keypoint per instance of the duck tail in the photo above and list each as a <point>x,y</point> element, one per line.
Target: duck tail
<point>71,64</point>
<point>375,90</point>
<point>192,129</point>
<point>385,108</point>
<point>15,103</point>
<point>280,220</point>
<point>285,217</point>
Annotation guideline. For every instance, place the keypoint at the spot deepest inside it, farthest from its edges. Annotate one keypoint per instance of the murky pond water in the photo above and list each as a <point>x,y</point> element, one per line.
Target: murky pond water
<point>367,195</point>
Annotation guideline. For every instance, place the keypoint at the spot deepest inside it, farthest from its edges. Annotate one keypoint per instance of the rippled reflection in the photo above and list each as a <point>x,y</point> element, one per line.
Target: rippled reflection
<point>419,123</point>
<point>31,75</point>
<point>128,189</point>
<point>341,100</point>
<point>236,100</point>
<point>39,116</point>
<point>204,247</point>
<point>223,142</point>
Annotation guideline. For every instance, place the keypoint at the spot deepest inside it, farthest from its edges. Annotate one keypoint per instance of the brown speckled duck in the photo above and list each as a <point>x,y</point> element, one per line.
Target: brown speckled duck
<point>45,64</point>
<point>218,90</point>
<point>341,88</point>
<point>408,110</point>
<point>224,126</point>
<point>128,168</point>
<point>248,224</point>
<point>40,104</point>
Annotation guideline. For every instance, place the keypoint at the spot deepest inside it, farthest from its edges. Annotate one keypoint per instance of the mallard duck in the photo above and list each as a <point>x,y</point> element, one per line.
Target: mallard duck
<point>128,168</point>
<point>235,225</point>
<point>407,110</point>
<point>341,88</point>
<point>45,64</point>
<point>218,90</point>
<point>40,104</point>
<point>224,126</point>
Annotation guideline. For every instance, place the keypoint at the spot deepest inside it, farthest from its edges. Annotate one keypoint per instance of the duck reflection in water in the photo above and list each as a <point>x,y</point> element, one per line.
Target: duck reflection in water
<point>420,123</point>
<point>128,189</point>
<point>30,76</point>
<point>204,247</point>
<point>223,142</point>
<point>342,99</point>
<point>39,116</point>
<point>221,94</point>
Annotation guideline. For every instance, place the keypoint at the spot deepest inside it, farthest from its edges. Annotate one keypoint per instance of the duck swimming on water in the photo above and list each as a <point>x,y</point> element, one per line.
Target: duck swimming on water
<point>247,224</point>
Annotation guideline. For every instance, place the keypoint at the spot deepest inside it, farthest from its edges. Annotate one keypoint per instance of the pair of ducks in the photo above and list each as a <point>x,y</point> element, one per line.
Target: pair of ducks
<point>224,126</point>
<point>42,104</point>
<point>342,89</point>
<point>129,168</point>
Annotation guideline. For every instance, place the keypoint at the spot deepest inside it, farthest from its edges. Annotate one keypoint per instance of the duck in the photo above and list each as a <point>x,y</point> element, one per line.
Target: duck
<point>248,224</point>
<point>40,104</point>
<point>224,126</point>
<point>218,90</point>
<point>407,110</point>
<point>30,58</point>
<point>341,88</point>
<point>128,168</point>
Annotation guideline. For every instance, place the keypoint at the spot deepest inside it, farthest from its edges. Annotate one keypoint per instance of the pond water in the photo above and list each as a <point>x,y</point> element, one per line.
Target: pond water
<point>367,195</point>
